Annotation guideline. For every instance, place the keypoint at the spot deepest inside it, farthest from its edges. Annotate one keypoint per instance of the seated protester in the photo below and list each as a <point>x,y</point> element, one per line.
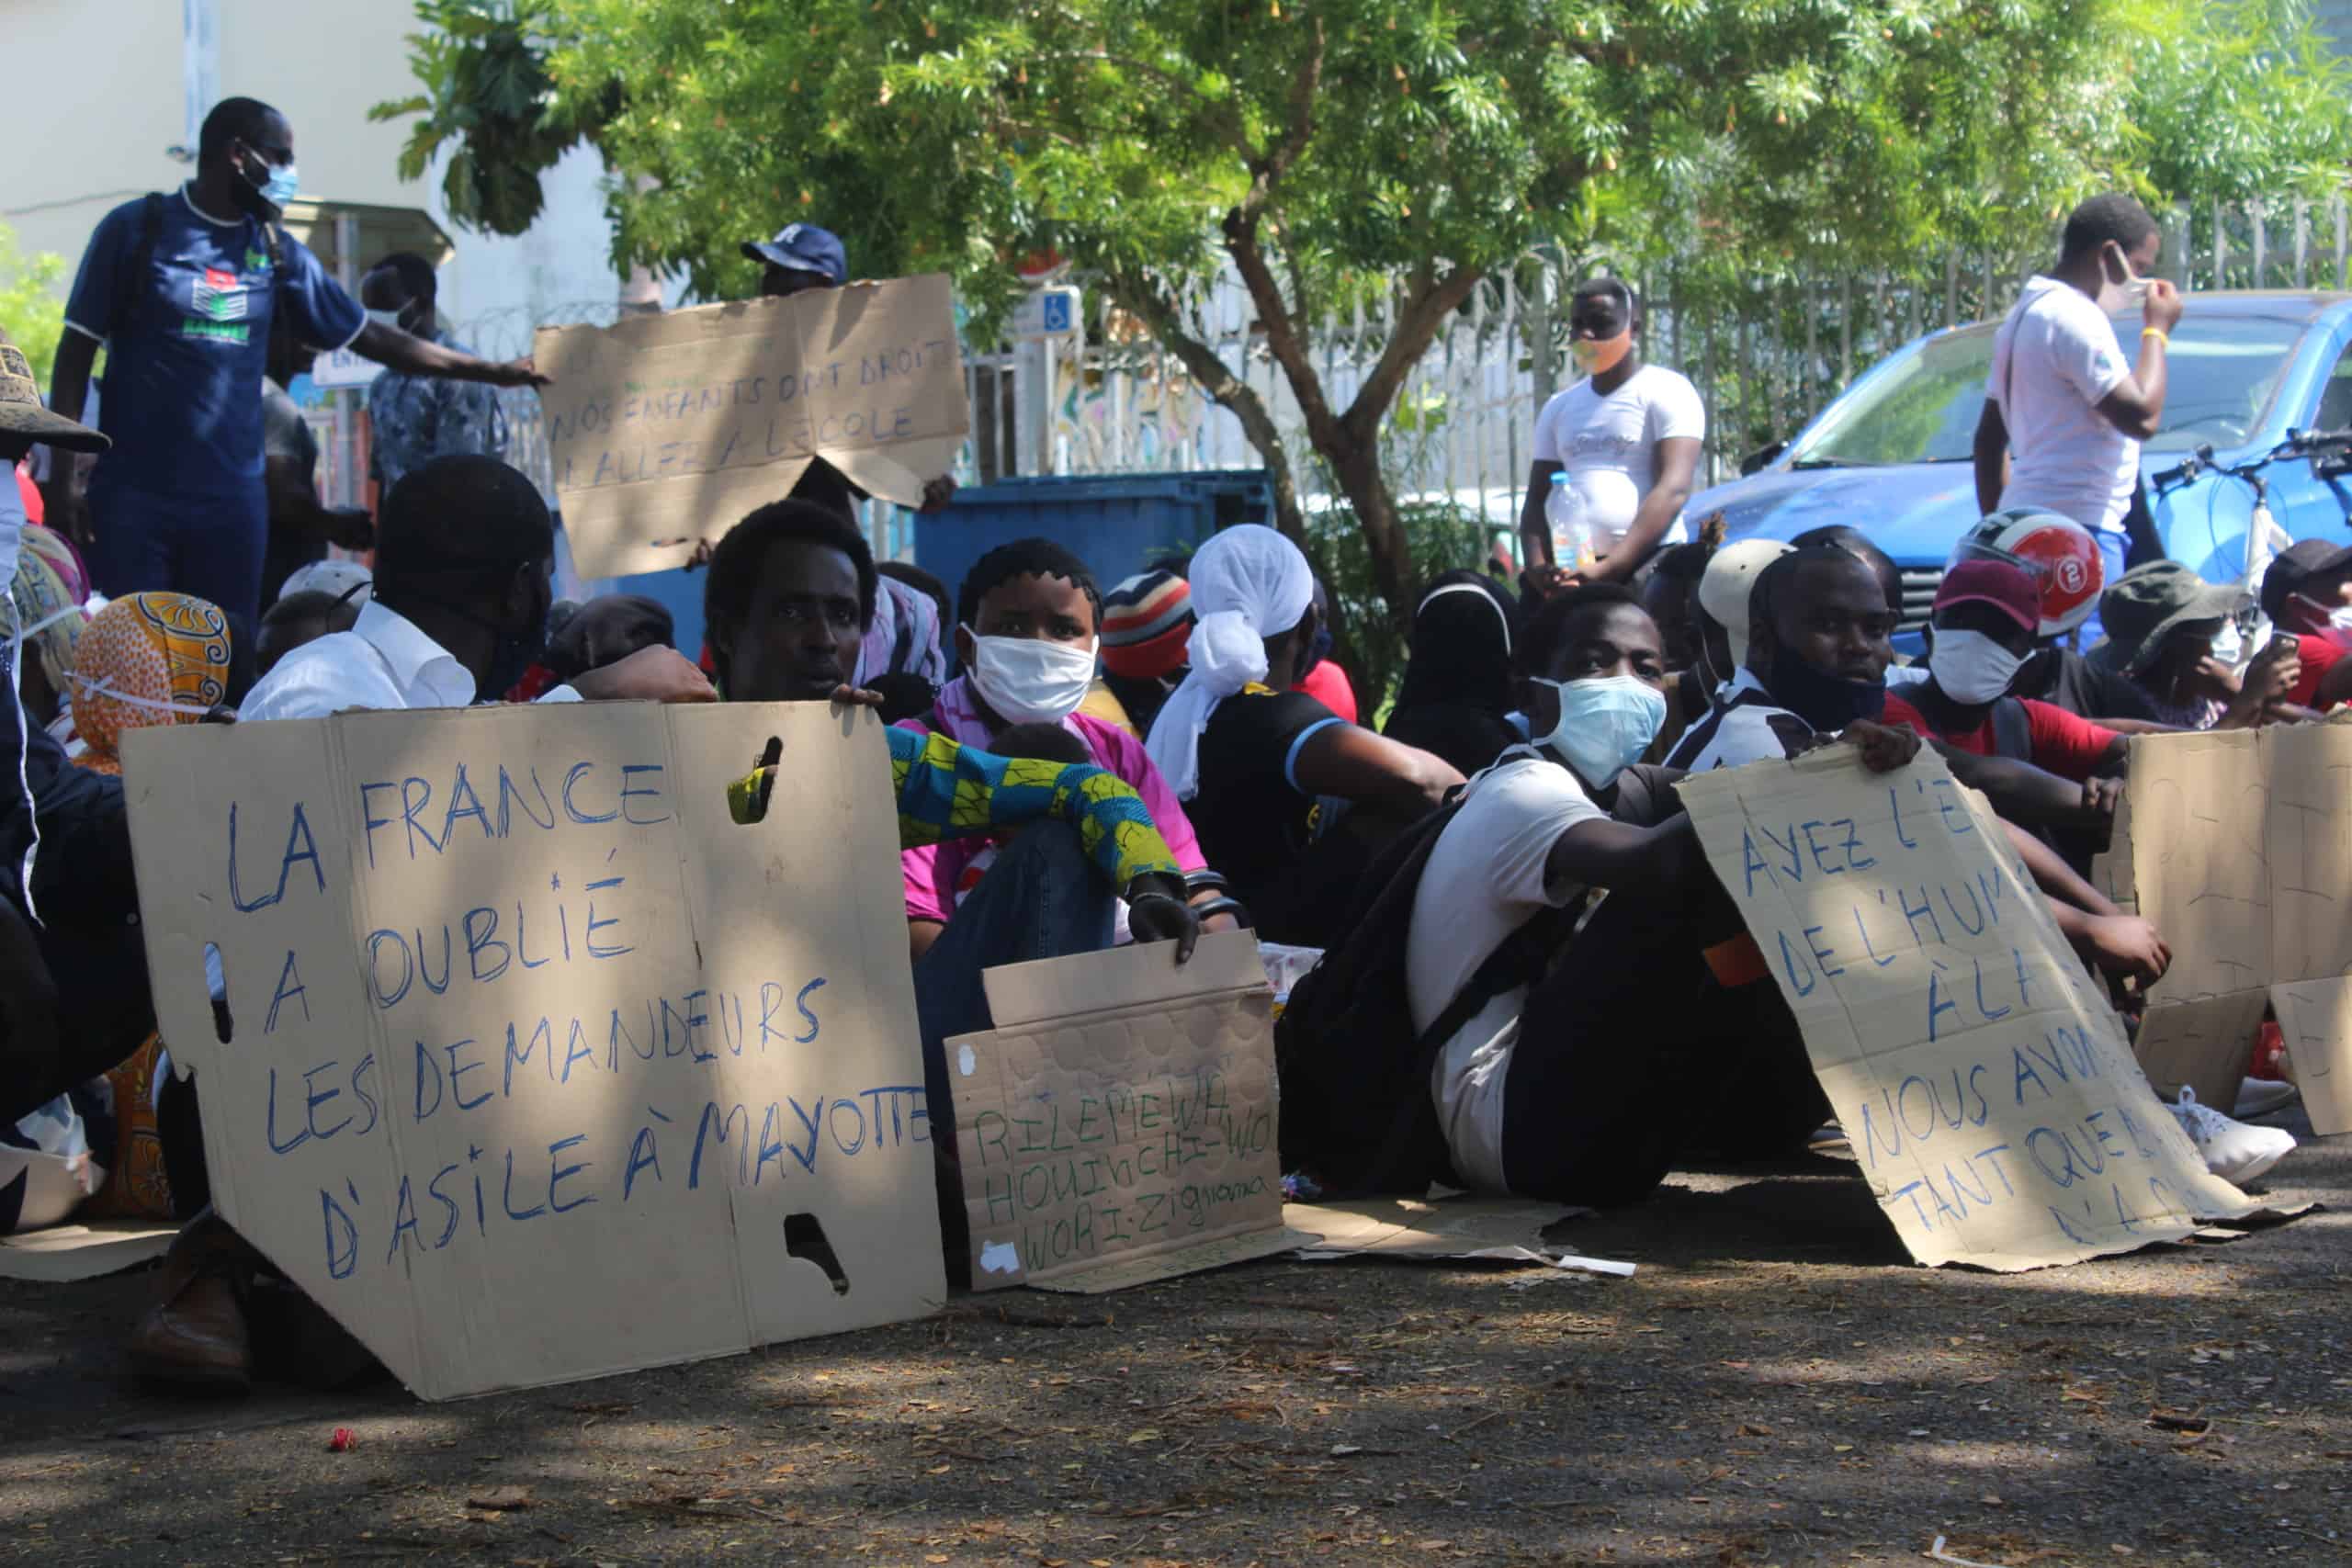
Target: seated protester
<point>1026,636</point>
<point>1317,676</point>
<point>1819,654</point>
<point>465,562</point>
<point>787,602</point>
<point>297,620</point>
<point>605,630</point>
<point>1263,770</point>
<point>2307,590</point>
<point>1539,1094</point>
<point>1669,590</point>
<point>48,597</point>
<point>1457,696</point>
<point>89,934</point>
<point>1721,623</point>
<point>146,659</point>
<point>1146,621</point>
<point>1987,615</point>
<point>2162,621</point>
<point>900,657</point>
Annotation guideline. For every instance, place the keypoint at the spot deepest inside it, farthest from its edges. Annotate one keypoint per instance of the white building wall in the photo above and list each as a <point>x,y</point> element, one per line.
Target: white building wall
<point>105,88</point>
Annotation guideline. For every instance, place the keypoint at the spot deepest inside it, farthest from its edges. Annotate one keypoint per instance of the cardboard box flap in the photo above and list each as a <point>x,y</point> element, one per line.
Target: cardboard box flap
<point>1144,974</point>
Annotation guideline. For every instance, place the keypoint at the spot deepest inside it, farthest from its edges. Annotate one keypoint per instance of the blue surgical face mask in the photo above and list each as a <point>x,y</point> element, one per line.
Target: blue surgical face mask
<point>1606,722</point>
<point>281,188</point>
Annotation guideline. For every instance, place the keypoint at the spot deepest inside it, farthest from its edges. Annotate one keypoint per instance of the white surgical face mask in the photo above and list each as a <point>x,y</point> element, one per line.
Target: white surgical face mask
<point>2229,644</point>
<point>1606,723</point>
<point>1972,668</point>
<point>2131,294</point>
<point>387,319</point>
<point>2317,617</point>
<point>1030,680</point>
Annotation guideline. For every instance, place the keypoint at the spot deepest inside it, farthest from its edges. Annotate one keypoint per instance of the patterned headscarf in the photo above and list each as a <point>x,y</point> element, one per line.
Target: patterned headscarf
<point>904,638</point>
<point>50,587</point>
<point>145,660</point>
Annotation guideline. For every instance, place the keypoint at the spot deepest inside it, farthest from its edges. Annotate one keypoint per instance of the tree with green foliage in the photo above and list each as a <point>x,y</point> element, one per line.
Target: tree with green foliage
<point>32,311</point>
<point>490,105</point>
<point>1328,155</point>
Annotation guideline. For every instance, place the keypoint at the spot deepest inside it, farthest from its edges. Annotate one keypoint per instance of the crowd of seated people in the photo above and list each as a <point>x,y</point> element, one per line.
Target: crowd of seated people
<point>1207,765</point>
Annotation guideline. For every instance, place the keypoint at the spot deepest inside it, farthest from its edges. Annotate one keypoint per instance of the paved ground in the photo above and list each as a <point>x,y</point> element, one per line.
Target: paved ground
<point>1774,1386</point>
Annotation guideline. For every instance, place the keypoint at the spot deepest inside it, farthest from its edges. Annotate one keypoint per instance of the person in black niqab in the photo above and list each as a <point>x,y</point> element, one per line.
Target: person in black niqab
<point>1456,696</point>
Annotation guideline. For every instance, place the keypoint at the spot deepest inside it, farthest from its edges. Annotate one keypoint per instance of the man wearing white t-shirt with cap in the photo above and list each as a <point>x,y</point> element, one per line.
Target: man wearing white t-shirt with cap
<point>1627,436</point>
<point>2064,410</point>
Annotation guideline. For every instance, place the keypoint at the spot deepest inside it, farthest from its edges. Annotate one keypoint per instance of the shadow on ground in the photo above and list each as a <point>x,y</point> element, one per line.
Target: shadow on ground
<point>1774,1385</point>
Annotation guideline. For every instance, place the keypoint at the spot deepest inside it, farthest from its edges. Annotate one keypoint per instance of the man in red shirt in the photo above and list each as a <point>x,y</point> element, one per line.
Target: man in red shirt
<point>1986,615</point>
<point>2308,592</point>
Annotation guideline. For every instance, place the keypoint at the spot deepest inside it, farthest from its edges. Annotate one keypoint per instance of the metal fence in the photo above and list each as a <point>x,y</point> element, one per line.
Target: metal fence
<point>1766,347</point>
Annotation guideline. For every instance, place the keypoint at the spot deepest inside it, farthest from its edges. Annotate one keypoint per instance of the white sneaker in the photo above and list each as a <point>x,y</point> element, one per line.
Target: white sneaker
<point>2233,1151</point>
<point>2260,1097</point>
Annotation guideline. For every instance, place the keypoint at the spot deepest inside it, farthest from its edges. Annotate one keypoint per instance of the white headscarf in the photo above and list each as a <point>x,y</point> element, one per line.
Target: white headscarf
<point>1248,583</point>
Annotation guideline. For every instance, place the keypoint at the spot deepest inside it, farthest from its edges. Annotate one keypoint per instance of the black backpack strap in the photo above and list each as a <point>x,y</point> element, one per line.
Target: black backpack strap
<point>127,282</point>
<point>2012,730</point>
<point>1521,960</point>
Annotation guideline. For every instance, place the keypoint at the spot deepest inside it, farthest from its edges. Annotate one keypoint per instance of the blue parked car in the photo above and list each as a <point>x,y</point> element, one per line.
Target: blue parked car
<point>1892,456</point>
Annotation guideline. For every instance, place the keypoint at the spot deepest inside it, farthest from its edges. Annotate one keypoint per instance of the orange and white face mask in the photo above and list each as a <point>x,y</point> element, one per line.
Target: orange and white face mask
<point>1598,355</point>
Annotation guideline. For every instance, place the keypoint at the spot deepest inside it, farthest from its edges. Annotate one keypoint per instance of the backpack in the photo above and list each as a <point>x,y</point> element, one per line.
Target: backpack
<point>1353,1076</point>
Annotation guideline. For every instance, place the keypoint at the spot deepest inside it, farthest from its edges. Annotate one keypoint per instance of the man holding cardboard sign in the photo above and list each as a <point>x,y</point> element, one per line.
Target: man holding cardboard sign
<point>1986,1083</point>
<point>790,596</point>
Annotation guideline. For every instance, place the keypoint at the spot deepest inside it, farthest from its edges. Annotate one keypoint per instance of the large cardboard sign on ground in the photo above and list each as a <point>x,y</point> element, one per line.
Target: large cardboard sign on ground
<point>667,428</point>
<point>1985,1085</point>
<point>538,1065</point>
<point>2238,845</point>
<point>1117,1125</point>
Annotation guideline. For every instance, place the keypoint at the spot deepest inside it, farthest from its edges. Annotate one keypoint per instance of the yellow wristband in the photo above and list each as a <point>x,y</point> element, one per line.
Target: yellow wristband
<point>2157,334</point>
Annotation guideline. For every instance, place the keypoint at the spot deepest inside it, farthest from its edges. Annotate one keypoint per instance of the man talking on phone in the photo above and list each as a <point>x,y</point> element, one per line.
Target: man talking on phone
<point>2065,410</point>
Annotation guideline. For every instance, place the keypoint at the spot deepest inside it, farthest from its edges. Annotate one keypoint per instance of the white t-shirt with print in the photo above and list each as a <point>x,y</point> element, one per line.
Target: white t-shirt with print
<point>2055,360</point>
<point>1609,444</point>
<point>1484,880</point>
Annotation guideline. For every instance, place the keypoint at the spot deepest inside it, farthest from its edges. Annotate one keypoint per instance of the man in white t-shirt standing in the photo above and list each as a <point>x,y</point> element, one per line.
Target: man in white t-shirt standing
<point>2064,410</point>
<point>1627,436</point>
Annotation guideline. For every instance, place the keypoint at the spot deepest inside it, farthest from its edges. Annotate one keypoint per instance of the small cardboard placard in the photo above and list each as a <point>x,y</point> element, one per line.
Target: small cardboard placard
<point>539,1066</point>
<point>2238,845</point>
<point>1991,1099</point>
<point>1118,1124</point>
<point>668,428</point>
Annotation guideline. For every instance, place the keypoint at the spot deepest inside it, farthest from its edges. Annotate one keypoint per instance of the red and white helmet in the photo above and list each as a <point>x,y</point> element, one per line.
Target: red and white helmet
<point>2058,551</point>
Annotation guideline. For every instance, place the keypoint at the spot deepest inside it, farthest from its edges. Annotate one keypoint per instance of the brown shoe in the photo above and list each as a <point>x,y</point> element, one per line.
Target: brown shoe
<point>194,1337</point>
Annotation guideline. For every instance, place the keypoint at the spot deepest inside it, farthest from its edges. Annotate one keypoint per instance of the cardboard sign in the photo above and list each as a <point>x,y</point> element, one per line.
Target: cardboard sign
<point>1117,1125</point>
<point>2238,845</point>
<point>1984,1083</point>
<point>665,429</point>
<point>538,1065</point>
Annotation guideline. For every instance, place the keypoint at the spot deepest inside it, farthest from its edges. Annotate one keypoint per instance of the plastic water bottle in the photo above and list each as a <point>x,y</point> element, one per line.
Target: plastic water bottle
<point>1571,533</point>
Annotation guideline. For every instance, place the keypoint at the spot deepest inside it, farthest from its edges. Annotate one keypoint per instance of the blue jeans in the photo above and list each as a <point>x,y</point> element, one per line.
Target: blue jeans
<point>211,547</point>
<point>1042,899</point>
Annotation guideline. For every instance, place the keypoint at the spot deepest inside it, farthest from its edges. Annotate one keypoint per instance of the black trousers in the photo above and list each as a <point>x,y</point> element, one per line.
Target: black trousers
<point>1631,1054</point>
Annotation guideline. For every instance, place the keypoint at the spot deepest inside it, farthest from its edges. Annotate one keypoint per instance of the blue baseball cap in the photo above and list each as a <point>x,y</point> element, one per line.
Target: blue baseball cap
<point>803,247</point>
